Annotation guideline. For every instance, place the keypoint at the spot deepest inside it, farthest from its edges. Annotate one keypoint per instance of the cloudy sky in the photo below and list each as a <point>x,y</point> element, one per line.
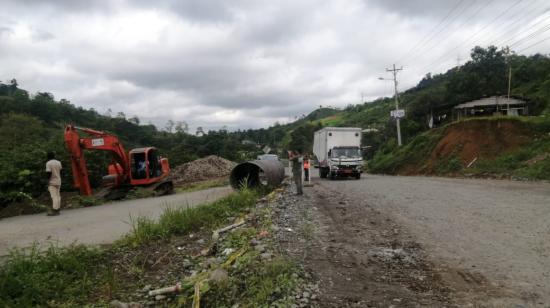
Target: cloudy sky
<point>247,63</point>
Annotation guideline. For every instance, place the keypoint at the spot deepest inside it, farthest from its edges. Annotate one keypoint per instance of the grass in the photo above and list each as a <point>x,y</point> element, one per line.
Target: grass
<point>183,220</point>
<point>202,185</point>
<point>392,158</point>
<point>518,163</point>
<point>77,274</point>
<point>255,284</point>
<point>52,277</point>
<point>521,163</point>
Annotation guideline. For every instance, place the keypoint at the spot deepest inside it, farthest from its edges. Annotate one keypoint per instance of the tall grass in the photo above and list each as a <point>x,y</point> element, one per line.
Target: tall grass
<point>75,275</point>
<point>183,220</point>
<point>31,278</point>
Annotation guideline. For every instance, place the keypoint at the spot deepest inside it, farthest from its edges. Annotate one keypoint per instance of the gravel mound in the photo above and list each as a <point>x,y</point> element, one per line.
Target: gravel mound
<point>206,168</point>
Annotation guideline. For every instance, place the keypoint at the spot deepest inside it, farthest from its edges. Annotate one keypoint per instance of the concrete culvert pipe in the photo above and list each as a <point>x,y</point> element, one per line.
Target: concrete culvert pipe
<point>256,173</point>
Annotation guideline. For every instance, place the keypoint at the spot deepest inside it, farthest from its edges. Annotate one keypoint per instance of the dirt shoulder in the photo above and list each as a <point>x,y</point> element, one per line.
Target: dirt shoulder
<point>357,256</point>
<point>369,249</point>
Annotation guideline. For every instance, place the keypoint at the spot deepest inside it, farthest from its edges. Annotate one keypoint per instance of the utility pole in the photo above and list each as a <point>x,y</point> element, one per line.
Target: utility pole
<point>394,72</point>
<point>509,79</point>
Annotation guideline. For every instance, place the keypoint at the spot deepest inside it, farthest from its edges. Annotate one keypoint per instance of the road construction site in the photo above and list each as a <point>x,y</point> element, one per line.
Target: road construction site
<point>421,241</point>
<point>377,241</point>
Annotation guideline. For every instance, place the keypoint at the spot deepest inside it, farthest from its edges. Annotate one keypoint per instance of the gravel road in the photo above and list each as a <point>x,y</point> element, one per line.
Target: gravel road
<point>94,225</point>
<point>498,232</point>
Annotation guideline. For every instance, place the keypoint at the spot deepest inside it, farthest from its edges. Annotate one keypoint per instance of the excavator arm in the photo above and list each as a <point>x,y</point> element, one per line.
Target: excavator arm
<point>95,140</point>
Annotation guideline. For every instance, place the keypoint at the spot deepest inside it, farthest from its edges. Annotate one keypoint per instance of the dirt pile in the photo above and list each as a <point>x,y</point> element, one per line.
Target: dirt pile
<point>207,168</point>
<point>481,139</point>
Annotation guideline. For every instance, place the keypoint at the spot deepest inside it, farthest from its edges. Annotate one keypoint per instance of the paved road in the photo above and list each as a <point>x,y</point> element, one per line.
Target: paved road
<point>498,229</point>
<point>94,225</point>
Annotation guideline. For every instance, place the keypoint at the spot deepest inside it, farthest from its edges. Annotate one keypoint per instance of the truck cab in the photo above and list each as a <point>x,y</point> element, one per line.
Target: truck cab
<point>345,161</point>
<point>338,152</point>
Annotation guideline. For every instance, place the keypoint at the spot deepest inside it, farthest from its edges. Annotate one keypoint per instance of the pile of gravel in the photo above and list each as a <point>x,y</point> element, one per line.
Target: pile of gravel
<point>206,168</point>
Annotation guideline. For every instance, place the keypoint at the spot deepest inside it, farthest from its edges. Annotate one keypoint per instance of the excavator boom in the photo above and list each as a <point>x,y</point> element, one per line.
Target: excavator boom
<point>96,140</point>
<point>139,167</point>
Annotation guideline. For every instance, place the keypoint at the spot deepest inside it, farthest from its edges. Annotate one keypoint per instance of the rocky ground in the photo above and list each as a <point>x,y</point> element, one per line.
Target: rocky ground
<point>358,250</point>
<point>353,256</point>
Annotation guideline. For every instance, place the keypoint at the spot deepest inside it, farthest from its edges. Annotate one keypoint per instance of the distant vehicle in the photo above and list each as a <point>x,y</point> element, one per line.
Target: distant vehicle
<point>268,157</point>
<point>338,151</point>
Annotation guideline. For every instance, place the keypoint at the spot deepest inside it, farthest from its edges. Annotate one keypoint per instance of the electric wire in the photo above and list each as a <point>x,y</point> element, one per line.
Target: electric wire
<point>535,44</point>
<point>437,61</point>
<point>521,18</point>
<point>425,45</point>
<point>431,31</point>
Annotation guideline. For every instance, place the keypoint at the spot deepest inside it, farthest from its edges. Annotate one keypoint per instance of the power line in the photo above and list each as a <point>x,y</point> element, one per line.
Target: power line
<point>533,45</point>
<point>414,57</point>
<point>437,61</point>
<point>526,30</point>
<point>531,36</point>
<point>433,30</point>
<point>479,9</point>
<point>521,18</point>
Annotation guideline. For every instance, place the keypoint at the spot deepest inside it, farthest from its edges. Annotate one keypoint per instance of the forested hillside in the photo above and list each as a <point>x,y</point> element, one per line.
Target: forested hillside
<point>486,74</point>
<point>32,125</point>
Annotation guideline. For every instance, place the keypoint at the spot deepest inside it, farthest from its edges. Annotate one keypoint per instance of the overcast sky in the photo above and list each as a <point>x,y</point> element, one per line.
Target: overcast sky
<point>247,63</point>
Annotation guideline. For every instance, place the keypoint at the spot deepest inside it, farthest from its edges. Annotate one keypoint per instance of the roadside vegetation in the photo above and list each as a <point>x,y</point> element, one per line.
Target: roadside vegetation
<point>202,185</point>
<point>80,275</point>
<point>183,220</point>
<point>496,147</point>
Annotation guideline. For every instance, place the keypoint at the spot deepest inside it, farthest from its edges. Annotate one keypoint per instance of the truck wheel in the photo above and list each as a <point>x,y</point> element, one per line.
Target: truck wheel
<point>332,175</point>
<point>358,176</point>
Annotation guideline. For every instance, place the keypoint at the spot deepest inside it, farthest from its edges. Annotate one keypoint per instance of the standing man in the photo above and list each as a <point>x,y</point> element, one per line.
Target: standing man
<point>296,159</point>
<point>306,168</point>
<point>53,169</point>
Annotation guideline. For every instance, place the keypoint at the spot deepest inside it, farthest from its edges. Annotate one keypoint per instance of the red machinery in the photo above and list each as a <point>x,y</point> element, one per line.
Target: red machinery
<point>139,167</point>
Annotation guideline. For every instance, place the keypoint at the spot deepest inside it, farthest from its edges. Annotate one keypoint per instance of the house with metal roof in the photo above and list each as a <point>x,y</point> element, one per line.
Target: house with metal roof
<point>494,105</point>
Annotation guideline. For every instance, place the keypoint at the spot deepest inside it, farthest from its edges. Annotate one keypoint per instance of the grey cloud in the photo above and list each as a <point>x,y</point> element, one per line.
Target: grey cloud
<point>41,36</point>
<point>256,61</point>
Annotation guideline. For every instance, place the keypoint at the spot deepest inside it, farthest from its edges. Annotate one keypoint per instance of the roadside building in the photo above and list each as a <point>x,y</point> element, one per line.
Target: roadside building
<point>494,105</point>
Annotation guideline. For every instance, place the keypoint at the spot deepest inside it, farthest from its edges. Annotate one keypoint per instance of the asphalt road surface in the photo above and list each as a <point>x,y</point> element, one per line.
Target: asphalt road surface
<point>496,231</point>
<point>94,225</point>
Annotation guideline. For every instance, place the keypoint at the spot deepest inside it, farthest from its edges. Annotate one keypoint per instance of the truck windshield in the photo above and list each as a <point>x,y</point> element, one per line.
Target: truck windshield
<point>346,152</point>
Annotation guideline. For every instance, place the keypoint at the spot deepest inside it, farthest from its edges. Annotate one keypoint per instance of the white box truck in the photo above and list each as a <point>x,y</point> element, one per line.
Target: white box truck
<point>338,152</point>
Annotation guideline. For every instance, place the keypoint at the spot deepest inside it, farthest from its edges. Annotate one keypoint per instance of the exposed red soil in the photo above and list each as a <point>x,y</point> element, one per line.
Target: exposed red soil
<point>479,139</point>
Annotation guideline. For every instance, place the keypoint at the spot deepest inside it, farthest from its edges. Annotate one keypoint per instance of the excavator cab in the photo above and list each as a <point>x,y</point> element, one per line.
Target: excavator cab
<point>147,166</point>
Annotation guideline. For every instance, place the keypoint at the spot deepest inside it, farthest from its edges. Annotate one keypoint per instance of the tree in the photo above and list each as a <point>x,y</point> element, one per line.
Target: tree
<point>134,120</point>
<point>13,86</point>
<point>169,126</point>
<point>199,131</point>
<point>182,127</point>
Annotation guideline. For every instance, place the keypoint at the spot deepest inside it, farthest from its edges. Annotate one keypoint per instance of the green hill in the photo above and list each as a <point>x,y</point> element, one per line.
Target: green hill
<point>31,125</point>
<point>500,147</point>
<point>485,75</point>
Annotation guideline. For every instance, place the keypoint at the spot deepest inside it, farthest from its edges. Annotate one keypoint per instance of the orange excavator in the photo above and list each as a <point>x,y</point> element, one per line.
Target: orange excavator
<point>139,167</point>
